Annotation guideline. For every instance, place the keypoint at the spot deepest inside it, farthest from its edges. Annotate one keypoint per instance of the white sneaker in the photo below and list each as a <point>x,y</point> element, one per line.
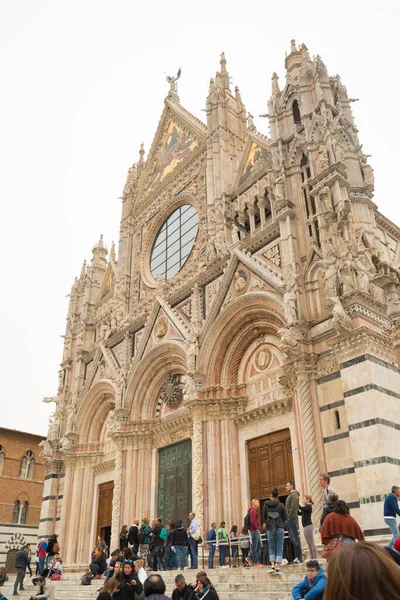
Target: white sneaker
<point>278,572</point>
<point>295,561</point>
<point>285,562</point>
<point>271,570</point>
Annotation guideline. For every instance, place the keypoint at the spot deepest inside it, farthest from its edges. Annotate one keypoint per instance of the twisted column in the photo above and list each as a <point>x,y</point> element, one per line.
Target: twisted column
<point>117,497</point>
<point>197,474</point>
<point>309,441</point>
<point>218,472</point>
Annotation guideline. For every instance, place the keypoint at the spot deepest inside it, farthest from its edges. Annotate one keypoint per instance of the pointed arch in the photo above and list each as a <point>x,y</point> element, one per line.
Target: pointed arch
<point>168,358</point>
<point>93,411</point>
<point>15,516</point>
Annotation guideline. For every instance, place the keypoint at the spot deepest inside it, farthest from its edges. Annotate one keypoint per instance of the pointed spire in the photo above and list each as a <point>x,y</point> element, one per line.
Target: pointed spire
<point>112,252</point>
<point>293,46</point>
<point>141,154</point>
<point>83,270</point>
<point>100,243</point>
<point>275,84</point>
<point>224,72</point>
<point>237,94</point>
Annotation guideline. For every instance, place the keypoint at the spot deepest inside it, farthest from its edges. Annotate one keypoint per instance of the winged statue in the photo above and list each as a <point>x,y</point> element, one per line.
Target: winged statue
<point>172,80</point>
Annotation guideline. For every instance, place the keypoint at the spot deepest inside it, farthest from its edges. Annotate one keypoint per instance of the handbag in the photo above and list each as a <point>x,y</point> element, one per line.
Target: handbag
<point>199,540</point>
<point>331,547</point>
<point>56,577</point>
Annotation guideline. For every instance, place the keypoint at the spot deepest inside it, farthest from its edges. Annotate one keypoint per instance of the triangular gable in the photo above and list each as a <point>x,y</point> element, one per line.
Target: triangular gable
<point>108,283</point>
<point>256,157</point>
<point>178,136</point>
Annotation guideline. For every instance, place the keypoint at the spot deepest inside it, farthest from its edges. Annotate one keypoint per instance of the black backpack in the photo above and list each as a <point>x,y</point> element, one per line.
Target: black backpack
<point>246,521</point>
<point>272,520</point>
<point>141,536</point>
<point>87,578</point>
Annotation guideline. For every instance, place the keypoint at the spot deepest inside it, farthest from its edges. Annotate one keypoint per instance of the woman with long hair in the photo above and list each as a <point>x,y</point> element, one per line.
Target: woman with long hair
<point>340,525</point>
<point>308,527</point>
<point>222,539</point>
<point>123,537</point>
<point>171,557</point>
<point>144,535</point>
<point>361,571</point>
<point>129,583</point>
<point>233,540</point>
<point>274,515</point>
<point>109,588</point>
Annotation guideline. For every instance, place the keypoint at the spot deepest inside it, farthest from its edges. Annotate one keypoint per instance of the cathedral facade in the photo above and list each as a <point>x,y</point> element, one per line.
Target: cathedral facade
<point>244,333</point>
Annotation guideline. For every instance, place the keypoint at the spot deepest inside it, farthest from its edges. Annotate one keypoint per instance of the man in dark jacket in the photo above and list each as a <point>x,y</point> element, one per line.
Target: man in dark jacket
<point>182,590</point>
<point>154,588</point>
<point>133,536</point>
<point>313,585</point>
<point>159,543</point>
<point>292,510</point>
<point>21,562</point>
<point>179,544</point>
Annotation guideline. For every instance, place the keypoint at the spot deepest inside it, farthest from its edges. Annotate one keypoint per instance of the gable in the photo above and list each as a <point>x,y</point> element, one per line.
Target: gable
<point>179,135</point>
<point>256,157</point>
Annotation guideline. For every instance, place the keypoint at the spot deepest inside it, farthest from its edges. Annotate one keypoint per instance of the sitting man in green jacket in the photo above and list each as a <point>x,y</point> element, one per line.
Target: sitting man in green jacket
<point>313,585</point>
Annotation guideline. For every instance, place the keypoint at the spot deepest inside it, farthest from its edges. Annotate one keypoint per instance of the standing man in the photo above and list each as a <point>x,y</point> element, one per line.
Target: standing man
<point>212,542</point>
<point>292,523</point>
<point>159,543</point>
<point>256,545</point>
<point>193,536</point>
<point>390,510</point>
<point>324,481</point>
<point>21,562</point>
<point>133,537</point>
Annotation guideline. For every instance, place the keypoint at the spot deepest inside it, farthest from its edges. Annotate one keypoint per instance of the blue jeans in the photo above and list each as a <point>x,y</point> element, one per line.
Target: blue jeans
<point>41,564</point>
<point>256,546</point>
<point>171,558</point>
<point>193,553</point>
<point>180,549</point>
<point>293,529</point>
<point>275,544</point>
<point>391,523</point>
<point>211,556</point>
<point>222,553</point>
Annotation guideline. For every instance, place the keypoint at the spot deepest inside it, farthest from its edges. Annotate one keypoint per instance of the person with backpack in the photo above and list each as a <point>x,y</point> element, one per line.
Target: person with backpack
<point>222,541</point>
<point>160,535</point>
<point>274,515</point>
<point>144,539</point>
<point>42,551</point>
<point>252,524</point>
<point>179,544</point>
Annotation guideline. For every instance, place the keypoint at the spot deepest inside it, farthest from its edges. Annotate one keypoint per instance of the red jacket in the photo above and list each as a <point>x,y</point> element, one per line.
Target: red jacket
<point>335,524</point>
<point>254,521</point>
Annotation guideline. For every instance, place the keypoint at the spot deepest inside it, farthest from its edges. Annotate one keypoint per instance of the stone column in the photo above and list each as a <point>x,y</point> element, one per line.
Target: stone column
<point>74,515</point>
<point>65,506</point>
<point>50,490</point>
<point>197,466</point>
<point>117,498</point>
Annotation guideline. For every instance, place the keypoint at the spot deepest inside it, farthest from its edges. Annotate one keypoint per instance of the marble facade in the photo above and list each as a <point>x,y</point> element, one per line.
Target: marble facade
<point>284,316</point>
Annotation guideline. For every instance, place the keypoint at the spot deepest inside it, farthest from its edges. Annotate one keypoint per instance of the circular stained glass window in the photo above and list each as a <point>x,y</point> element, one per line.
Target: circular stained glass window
<point>174,242</point>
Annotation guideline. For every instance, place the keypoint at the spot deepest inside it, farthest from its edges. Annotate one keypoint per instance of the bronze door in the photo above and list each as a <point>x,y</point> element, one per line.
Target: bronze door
<point>270,464</point>
<point>104,515</point>
<point>175,482</point>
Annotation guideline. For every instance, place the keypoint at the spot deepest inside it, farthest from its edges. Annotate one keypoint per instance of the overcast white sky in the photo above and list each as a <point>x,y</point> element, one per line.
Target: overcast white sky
<point>83,84</point>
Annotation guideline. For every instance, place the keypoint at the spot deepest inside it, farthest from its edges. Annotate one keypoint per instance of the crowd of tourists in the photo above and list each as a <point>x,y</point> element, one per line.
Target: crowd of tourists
<point>151,546</point>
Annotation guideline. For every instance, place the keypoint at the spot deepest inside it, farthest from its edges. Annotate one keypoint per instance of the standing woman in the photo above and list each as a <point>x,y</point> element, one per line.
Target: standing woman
<point>308,527</point>
<point>234,545</point>
<point>144,540</point>
<point>274,515</point>
<point>244,541</point>
<point>222,539</point>
<point>123,537</point>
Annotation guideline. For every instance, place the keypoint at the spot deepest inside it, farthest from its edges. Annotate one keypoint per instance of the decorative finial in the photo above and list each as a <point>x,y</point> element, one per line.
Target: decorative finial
<point>275,84</point>
<point>100,242</point>
<point>237,93</point>
<point>293,46</point>
<point>222,62</point>
<point>83,270</point>
<point>250,122</point>
<point>141,154</point>
<point>112,252</point>
<point>212,85</point>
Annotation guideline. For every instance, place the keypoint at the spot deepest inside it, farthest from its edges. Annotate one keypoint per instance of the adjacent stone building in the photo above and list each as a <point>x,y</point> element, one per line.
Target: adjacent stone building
<point>245,332</point>
<point>21,491</point>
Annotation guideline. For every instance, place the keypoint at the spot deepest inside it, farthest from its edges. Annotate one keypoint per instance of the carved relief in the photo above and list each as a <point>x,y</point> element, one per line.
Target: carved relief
<point>273,255</point>
<point>171,391</point>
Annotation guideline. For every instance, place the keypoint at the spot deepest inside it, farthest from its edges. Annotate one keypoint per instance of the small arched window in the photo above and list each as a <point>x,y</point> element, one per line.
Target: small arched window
<point>27,465</point>
<point>337,419</point>
<point>23,513</point>
<point>15,516</point>
<point>30,467</point>
<point>2,459</point>
<point>296,112</point>
<point>309,202</point>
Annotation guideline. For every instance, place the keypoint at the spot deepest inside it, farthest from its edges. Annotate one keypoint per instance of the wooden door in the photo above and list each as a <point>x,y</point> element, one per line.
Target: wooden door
<point>270,464</point>
<point>174,499</point>
<point>104,515</point>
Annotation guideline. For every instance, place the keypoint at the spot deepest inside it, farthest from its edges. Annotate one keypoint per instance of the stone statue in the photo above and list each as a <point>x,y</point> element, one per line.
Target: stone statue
<point>368,172</point>
<point>347,277</point>
<point>189,388</point>
<point>290,336</point>
<point>321,161</point>
<point>290,306</point>
<point>240,282</point>
<point>279,187</point>
<point>191,353</point>
<point>47,450</point>
<point>340,317</point>
<point>330,275</point>
<point>65,443</point>
<point>220,243</point>
<point>325,200</point>
<point>71,418</point>
<point>160,329</point>
<point>172,80</point>
<point>337,150</point>
<point>364,270</point>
